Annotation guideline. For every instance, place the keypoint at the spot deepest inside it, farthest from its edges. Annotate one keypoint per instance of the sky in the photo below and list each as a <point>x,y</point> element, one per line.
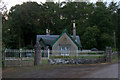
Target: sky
<point>10,3</point>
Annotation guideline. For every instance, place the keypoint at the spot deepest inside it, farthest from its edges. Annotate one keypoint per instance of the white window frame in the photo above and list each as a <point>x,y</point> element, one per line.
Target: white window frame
<point>65,50</point>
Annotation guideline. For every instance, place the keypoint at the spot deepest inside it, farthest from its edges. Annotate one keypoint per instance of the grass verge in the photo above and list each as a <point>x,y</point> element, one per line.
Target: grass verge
<point>75,57</point>
<point>115,59</point>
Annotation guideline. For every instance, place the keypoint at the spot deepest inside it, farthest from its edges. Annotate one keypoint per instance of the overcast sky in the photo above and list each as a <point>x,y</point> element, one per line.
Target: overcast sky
<point>10,3</point>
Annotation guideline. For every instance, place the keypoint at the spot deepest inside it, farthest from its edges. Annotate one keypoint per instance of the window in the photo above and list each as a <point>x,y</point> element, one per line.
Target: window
<point>65,50</point>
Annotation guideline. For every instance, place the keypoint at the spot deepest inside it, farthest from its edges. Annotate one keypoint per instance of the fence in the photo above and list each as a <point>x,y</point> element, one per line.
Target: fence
<point>76,57</point>
<point>76,53</point>
<point>18,57</point>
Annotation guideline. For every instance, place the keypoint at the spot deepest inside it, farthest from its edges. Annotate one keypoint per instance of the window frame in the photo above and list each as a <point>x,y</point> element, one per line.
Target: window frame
<point>65,50</point>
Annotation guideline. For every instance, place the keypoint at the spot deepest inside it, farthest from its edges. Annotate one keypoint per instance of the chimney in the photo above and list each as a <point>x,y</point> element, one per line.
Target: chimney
<point>47,32</point>
<point>74,31</point>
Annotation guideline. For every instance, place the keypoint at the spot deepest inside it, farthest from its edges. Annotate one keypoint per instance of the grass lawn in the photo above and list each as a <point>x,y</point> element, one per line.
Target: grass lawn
<point>44,61</point>
<point>115,59</point>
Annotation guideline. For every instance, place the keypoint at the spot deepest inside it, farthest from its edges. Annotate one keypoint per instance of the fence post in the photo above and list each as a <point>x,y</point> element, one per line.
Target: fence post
<point>37,56</point>
<point>20,58</point>
<point>108,54</point>
<point>3,57</point>
<point>48,53</point>
<point>77,53</point>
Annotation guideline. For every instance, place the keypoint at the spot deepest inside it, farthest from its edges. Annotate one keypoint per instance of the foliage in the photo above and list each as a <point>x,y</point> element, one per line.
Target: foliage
<point>114,49</point>
<point>95,23</point>
<point>105,39</point>
<point>115,59</point>
<point>89,38</point>
<point>44,61</point>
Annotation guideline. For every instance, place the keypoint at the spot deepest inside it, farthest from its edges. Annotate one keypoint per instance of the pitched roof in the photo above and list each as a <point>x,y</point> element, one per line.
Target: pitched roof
<point>68,36</point>
<point>51,39</point>
<point>48,39</point>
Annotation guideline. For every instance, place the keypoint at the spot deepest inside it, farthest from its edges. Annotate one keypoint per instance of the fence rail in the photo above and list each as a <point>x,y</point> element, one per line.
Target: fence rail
<point>13,58</point>
<point>18,57</point>
<point>20,54</point>
<point>23,56</point>
<point>19,50</point>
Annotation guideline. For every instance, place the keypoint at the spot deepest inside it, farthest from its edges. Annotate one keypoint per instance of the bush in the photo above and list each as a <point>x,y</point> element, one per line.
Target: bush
<point>114,49</point>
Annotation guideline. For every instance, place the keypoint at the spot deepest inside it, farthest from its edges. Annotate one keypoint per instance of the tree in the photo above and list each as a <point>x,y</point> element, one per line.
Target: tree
<point>118,29</point>
<point>101,17</point>
<point>6,37</point>
<point>29,19</point>
<point>51,17</point>
<point>24,22</point>
<point>113,7</point>
<point>105,40</point>
<point>89,38</point>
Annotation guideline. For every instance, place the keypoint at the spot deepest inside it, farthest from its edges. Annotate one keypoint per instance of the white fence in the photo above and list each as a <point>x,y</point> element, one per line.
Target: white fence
<point>20,57</point>
<point>18,54</point>
<point>19,50</point>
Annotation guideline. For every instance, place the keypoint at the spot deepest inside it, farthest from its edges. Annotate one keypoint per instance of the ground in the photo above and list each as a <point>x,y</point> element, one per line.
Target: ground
<point>107,72</point>
<point>103,70</point>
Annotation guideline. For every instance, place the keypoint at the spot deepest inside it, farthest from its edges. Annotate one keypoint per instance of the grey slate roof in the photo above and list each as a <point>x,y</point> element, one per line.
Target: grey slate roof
<point>49,39</point>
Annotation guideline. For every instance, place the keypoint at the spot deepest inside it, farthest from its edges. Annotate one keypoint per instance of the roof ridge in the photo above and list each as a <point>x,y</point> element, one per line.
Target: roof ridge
<point>52,35</point>
<point>65,31</point>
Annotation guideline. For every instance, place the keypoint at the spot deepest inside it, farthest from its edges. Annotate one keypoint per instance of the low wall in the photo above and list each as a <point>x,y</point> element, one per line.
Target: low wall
<point>76,61</point>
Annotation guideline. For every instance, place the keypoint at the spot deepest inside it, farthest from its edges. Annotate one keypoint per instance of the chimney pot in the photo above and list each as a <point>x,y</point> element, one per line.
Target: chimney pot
<point>74,31</point>
<point>47,32</point>
<point>73,25</point>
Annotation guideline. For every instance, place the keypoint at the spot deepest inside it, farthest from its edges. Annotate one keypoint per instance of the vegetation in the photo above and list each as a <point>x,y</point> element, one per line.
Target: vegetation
<point>44,61</point>
<point>95,23</point>
<point>75,57</point>
<point>115,59</point>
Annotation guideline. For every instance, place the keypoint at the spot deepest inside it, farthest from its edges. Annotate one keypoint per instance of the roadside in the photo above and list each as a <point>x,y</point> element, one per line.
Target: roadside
<point>53,71</point>
<point>110,71</point>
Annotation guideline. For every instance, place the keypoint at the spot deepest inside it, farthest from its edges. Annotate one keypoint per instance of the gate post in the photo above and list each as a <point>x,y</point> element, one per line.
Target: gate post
<point>20,58</point>
<point>3,57</point>
<point>37,56</point>
<point>108,54</point>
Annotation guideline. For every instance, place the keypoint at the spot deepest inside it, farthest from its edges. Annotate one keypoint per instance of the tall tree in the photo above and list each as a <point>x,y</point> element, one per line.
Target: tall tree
<point>101,17</point>
<point>29,19</point>
<point>89,38</point>
<point>25,22</point>
<point>113,10</point>
<point>118,29</point>
<point>52,19</point>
